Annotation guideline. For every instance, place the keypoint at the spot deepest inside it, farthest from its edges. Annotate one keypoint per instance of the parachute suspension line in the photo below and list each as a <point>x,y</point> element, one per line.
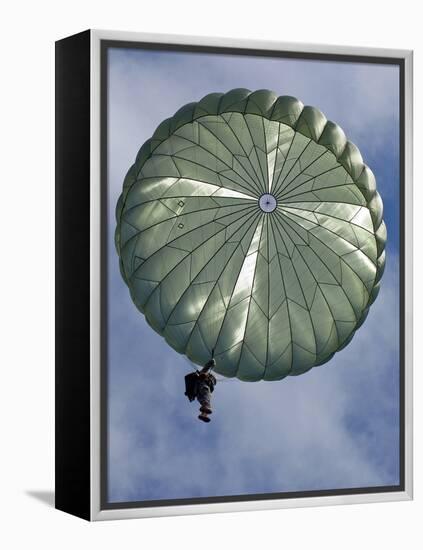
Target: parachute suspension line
<point>219,378</point>
<point>211,368</point>
<point>225,380</point>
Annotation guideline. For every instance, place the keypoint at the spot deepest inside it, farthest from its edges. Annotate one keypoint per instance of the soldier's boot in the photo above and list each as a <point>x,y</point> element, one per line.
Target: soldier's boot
<point>204,417</point>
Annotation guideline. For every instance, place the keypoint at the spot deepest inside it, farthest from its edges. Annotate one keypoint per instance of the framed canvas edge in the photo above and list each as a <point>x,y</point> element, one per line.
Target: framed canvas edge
<point>95,276</point>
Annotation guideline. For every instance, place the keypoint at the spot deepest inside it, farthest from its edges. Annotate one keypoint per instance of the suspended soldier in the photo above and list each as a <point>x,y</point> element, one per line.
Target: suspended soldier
<point>200,385</point>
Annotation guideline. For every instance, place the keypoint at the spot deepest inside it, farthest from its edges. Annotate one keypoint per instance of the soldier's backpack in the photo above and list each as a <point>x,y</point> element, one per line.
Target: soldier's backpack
<point>191,380</point>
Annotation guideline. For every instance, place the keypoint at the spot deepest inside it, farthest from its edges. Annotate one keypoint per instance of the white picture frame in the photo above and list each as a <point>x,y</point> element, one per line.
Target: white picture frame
<point>84,446</point>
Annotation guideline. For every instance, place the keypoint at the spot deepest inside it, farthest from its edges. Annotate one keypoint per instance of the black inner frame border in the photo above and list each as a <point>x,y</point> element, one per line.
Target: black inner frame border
<point>105,45</point>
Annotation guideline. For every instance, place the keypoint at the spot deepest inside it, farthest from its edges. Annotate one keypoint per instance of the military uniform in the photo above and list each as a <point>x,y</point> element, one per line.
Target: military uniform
<point>200,385</point>
<point>205,386</point>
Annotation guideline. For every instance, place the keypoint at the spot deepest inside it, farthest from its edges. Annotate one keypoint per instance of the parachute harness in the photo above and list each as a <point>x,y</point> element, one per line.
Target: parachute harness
<point>220,379</point>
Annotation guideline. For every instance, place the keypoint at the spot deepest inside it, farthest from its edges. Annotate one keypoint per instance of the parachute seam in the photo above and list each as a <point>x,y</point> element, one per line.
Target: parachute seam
<point>174,267</point>
<point>270,183</point>
<point>216,283</point>
<point>351,223</point>
<point>330,215</point>
<point>322,189</point>
<point>212,197</point>
<point>246,156</point>
<point>228,107</point>
<point>233,288</point>
<point>358,249</point>
<point>268,115</point>
<point>294,127</point>
<point>305,301</point>
<point>279,185</point>
<point>205,303</point>
<point>252,214</point>
<point>340,286</point>
<point>287,303</point>
<point>318,284</point>
<point>282,185</point>
<point>169,243</point>
<point>255,151</point>
<point>213,171</point>
<point>285,193</point>
<point>268,293</point>
<point>275,184</point>
<point>272,110</point>
<point>213,155</point>
<point>249,304</point>
<point>342,261</point>
<point>191,230</point>
<point>267,153</point>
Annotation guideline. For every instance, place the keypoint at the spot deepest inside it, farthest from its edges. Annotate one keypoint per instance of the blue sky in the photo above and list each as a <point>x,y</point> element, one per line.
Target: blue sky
<point>337,426</point>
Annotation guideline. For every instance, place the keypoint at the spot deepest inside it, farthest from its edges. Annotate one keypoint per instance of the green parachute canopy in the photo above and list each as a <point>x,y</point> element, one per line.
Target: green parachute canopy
<point>250,228</point>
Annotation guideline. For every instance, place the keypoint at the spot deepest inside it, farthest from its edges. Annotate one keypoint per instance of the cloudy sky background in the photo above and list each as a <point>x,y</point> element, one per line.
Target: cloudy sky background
<point>336,426</point>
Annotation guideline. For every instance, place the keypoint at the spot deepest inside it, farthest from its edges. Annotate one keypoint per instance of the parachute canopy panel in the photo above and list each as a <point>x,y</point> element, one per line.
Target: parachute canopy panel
<point>250,228</point>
